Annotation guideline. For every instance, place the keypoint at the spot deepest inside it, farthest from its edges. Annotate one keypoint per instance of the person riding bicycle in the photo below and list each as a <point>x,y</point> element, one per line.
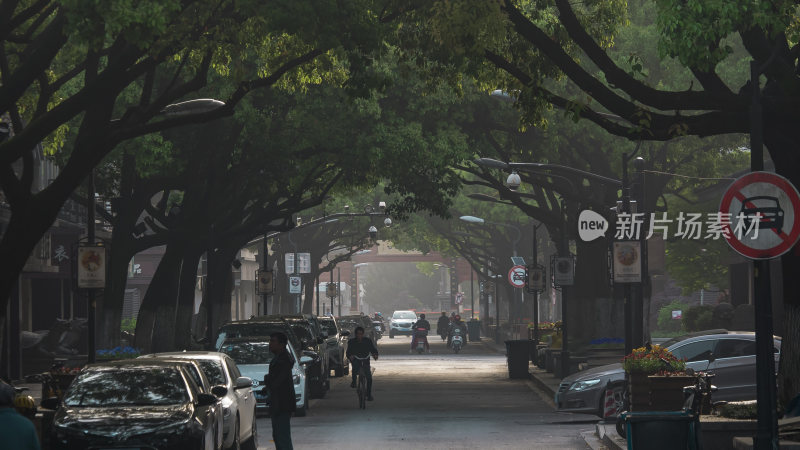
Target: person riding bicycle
<point>362,347</point>
<point>442,325</point>
<point>422,323</point>
<point>457,323</point>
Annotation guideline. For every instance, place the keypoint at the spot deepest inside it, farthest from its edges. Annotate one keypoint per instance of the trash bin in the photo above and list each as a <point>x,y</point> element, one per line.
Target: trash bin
<point>657,430</point>
<point>517,356</point>
<point>474,329</point>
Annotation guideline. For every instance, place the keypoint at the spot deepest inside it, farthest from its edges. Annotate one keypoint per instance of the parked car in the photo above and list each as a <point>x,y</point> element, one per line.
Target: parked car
<point>360,320</point>
<point>733,362</point>
<point>147,403</point>
<point>401,323</point>
<point>263,326</point>
<point>238,403</point>
<point>306,328</point>
<point>337,346</point>
<point>252,356</point>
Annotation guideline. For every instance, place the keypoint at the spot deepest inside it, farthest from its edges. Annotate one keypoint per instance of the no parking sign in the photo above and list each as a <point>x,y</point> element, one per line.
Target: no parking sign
<point>768,203</point>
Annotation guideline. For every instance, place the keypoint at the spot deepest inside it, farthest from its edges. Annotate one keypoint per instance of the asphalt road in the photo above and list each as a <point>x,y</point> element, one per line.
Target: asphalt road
<point>435,401</point>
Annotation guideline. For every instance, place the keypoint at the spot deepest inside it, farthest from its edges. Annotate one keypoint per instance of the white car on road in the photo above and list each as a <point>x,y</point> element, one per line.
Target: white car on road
<point>252,355</point>
<point>239,404</point>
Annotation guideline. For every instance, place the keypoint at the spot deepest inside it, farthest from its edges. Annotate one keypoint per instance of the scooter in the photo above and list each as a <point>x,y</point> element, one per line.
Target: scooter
<point>421,334</point>
<point>458,340</point>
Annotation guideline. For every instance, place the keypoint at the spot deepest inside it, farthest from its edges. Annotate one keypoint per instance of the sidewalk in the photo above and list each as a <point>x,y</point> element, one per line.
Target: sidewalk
<point>545,381</point>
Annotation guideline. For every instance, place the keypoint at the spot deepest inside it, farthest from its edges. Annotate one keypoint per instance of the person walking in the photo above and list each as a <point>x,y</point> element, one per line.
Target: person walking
<point>16,431</point>
<point>278,382</point>
<point>443,326</point>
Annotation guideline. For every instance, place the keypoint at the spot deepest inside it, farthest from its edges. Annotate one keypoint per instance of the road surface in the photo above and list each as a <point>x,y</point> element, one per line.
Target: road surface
<point>435,401</point>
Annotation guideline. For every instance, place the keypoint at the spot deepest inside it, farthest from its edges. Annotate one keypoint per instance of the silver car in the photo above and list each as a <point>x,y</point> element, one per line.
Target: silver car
<point>734,364</point>
<point>238,405</point>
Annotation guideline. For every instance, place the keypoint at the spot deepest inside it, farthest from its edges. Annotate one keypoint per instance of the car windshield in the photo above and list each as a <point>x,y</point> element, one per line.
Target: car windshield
<point>248,352</point>
<point>213,370</point>
<point>128,387</point>
<point>329,325</point>
<point>404,315</point>
<point>236,330</point>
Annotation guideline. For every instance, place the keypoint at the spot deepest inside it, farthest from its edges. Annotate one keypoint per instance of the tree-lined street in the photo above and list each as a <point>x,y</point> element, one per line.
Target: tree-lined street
<point>437,401</point>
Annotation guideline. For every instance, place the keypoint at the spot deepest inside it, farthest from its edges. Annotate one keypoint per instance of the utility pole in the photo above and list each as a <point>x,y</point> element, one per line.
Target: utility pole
<point>90,294</point>
<point>626,287</point>
<point>767,434</point>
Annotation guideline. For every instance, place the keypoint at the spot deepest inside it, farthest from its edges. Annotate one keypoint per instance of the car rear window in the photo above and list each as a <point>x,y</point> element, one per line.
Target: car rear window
<point>404,315</point>
<point>135,386</point>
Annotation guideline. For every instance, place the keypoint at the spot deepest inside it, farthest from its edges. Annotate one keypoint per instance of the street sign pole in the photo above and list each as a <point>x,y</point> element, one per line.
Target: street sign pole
<point>767,434</point>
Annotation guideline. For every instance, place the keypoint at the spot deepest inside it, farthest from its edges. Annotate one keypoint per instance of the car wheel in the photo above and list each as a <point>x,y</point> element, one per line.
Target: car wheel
<point>252,443</point>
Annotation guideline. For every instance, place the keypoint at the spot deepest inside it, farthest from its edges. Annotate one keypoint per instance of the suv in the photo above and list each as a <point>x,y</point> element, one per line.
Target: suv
<point>306,328</point>
<point>336,342</point>
<point>401,323</point>
<point>301,335</point>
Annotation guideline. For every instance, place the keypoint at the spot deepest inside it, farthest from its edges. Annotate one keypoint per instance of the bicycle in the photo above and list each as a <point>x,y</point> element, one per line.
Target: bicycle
<point>361,381</point>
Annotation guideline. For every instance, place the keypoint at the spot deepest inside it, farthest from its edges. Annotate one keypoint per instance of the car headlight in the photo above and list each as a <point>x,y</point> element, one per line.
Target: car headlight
<point>297,379</point>
<point>226,412</point>
<point>583,385</point>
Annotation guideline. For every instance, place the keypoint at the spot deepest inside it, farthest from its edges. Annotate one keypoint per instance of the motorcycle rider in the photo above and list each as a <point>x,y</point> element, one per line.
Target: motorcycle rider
<point>457,323</point>
<point>421,323</point>
<point>443,325</point>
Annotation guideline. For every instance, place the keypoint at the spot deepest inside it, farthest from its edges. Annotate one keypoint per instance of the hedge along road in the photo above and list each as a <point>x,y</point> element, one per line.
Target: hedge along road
<point>435,401</point>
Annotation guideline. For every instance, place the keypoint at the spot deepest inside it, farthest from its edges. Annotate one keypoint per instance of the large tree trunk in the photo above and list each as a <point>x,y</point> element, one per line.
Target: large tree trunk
<point>188,279</point>
<point>782,136</point>
<point>310,293</point>
<point>592,311</point>
<point>155,324</point>
<point>108,330</point>
<point>217,294</point>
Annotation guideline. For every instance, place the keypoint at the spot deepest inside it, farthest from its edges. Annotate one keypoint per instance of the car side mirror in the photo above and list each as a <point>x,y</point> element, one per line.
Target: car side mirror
<point>306,360</point>
<point>304,343</point>
<point>243,382</point>
<point>50,403</point>
<point>711,357</point>
<point>320,340</point>
<point>204,399</point>
<point>219,391</point>
<point>344,333</point>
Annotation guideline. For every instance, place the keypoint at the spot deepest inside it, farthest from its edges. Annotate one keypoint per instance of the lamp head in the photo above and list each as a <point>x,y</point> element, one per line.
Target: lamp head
<point>387,222</point>
<point>373,232</point>
<point>513,181</point>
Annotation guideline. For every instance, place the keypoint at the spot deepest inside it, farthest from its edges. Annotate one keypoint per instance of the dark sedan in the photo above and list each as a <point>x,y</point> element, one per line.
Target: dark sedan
<point>139,403</point>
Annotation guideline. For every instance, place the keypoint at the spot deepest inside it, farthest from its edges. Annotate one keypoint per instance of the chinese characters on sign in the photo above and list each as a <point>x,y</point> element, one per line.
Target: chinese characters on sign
<point>91,267</point>
<point>689,226</point>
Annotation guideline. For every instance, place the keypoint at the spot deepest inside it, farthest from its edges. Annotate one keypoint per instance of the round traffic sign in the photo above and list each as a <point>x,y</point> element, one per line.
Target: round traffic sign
<point>772,198</point>
<point>516,276</point>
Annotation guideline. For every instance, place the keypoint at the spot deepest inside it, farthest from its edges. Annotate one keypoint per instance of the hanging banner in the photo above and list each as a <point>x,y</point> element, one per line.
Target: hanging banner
<point>288,260</point>
<point>304,263</point>
<point>627,262</point>
<point>91,267</point>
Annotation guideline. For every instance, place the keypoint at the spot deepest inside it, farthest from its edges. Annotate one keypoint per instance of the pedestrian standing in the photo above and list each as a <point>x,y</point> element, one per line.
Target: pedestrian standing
<point>278,382</point>
<point>16,431</point>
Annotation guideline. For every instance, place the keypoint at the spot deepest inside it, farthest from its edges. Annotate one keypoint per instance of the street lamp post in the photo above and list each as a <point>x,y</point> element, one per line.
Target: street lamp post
<point>478,220</point>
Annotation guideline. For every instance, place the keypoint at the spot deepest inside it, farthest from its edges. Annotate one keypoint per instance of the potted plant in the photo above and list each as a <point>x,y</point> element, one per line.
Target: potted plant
<point>655,379</point>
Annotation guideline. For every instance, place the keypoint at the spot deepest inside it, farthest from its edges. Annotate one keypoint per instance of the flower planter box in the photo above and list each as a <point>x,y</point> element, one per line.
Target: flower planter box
<point>657,392</point>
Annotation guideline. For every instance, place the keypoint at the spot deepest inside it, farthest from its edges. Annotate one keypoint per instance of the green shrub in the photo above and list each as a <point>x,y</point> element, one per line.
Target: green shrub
<point>128,325</point>
<point>665,320</point>
<point>699,317</point>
